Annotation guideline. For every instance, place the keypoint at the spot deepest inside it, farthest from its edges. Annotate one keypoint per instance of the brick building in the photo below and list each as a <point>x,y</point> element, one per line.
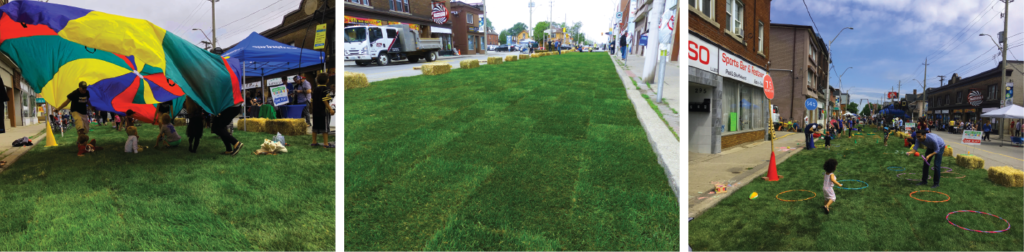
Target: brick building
<point>415,13</point>
<point>728,58</point>
<point>467,35</point>
<point>952,101</point>
<point>800,63</point>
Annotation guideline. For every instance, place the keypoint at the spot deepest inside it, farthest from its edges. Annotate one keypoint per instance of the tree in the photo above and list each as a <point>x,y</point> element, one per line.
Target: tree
<point>539,31</point>
<point>517,28</point>
<point>490,27</point>
<point>503,37</point>
<point>866,111</point>
<point>852,107</point>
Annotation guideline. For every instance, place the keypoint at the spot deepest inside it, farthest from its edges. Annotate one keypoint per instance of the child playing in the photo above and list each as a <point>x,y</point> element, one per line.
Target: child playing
<point>117,122</point>
<point>194,131</point>
<point>830,180</point>
<point>828,140</point>
<point>132,145</point>
<point>84,145</point>
<point>885,139</point>
<point>167,132</point>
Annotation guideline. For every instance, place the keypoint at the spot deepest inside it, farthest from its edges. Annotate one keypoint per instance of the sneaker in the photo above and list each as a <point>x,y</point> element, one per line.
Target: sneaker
<point>935,186</point>
<point>826,210</point>
<point>922,183</point>
<point>238,147</point>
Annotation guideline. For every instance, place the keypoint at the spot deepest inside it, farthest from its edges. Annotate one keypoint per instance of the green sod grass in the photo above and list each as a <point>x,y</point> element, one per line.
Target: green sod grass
<point>168,198</point>
<point>539,154</point>
<point>880,217</point>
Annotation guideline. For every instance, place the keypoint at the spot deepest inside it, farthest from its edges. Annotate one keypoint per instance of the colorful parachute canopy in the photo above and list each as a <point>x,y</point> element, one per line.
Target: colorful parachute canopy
<point>128,63</point>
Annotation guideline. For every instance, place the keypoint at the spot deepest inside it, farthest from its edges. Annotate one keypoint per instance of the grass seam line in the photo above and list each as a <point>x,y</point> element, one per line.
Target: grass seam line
<point>662,117</point>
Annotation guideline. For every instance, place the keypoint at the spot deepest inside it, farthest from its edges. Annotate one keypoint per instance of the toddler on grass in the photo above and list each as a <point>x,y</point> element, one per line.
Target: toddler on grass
<point>132,145</point>
<point>830,180</point>
<point>84,145</point>
<point>167,132</point>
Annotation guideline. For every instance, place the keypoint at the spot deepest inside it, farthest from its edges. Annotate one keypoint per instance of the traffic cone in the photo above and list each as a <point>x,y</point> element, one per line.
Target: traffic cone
<point>773,175</point>
<point>50,140</point>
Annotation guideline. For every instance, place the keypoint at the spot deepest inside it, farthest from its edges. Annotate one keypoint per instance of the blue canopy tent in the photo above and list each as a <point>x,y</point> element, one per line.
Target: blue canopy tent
<point>261,56</point>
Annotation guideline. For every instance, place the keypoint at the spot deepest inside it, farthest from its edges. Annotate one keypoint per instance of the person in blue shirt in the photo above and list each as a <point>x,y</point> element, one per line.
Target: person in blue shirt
<point>808,135</point>
<point>987,129</point>
<point>935,146</point>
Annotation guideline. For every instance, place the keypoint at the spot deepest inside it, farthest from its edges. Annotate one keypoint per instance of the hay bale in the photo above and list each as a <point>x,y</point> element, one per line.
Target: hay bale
<point>469,64</point>
<point>436,68</point>
<point>180,122</point>
<point>536,55</point>
<point>286,126</point>
<point>970,162</point>
<point>252,124</point>
<point>948,152</point>
<point>1006,176</point>
<point>524,56</point>
<point>494,60</point>
<point>510,58</point>
<point>355,80</point>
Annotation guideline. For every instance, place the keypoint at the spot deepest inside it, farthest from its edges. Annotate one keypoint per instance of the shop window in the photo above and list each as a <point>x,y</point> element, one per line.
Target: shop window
<point>760,37</point>
<point>810,78</point>
<point>469,19</point>
<point>734,17</point>
<point>472,46</point>
<point>959,98</point>
<point>746,103</point>
<point>704,6</point>
<point>363,2</point>
<point>992,92</point>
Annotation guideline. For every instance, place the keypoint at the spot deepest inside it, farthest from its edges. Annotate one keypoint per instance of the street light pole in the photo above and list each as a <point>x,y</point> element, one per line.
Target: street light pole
<point>213,7</point>
<point>828,87</point>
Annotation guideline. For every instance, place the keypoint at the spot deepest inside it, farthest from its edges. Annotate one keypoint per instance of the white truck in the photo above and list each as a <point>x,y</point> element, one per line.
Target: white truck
<point>384,44</point>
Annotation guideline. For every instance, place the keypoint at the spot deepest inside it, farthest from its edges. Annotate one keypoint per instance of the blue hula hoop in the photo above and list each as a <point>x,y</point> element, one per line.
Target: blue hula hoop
<point>891,168</point>
<point>858,188</point>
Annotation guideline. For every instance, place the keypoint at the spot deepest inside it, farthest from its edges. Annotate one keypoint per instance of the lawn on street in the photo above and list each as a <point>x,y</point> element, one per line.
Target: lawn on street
<point>882,216</point>
<point>538,154</point>
<point>168,198</point>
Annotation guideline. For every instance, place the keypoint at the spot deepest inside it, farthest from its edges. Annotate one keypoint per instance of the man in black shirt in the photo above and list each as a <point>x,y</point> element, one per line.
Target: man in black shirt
<point>322,110</point>
<point>79,100</point>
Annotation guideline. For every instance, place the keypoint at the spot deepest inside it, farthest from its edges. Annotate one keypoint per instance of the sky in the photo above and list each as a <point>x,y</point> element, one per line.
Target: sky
<point>892,38</point>
<point>180,16</point>
<point>596,15</point>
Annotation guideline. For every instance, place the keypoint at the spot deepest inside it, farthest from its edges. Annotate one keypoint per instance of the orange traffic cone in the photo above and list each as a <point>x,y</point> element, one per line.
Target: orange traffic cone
<point>773,175</point>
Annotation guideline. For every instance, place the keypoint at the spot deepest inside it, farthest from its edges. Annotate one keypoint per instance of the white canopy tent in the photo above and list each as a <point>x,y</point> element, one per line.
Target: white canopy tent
<point>1010,112</point>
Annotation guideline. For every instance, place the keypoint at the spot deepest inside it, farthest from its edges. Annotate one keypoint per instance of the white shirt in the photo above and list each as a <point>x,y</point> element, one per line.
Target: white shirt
<point>132,145</point>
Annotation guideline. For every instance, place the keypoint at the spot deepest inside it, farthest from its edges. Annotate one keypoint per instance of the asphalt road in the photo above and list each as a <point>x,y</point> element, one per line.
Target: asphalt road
<point>403,68</point>
<point>993,154</point>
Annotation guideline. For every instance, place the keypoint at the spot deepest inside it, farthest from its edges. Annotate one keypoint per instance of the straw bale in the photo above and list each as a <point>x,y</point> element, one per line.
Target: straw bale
<point>511,58</point>
<point>355,80</point>
<point>180,122</point>
<point>948,152</point>
<point>494,60</point>
<point>252,124</point>
<point>436,68</point>
<point>286,126</point>
<point>1006,176</point>
<point>524,56</point>
<point>469,64</point>
<point>970,162</point>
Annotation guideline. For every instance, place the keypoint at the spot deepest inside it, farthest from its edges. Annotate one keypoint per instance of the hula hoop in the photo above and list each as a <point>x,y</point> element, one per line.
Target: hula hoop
<point>901,168</point>
<point>961,175</point>
<point>898,175</point>
<point>858,188</point>
<point>777,195</point>
<point>949,170</point>
<point>912,196</point>
<point>977,212</point>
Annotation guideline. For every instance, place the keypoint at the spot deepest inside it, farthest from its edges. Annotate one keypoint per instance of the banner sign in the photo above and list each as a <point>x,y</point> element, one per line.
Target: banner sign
<point>703,55</point>
<point>376,22</point>
<point>893,95</point>
<point>40,100</point>
<point>909,126</point>
<point>971,137</point>
<point>321,37</point>
<point>280,94</point>
<point>1009,94</point>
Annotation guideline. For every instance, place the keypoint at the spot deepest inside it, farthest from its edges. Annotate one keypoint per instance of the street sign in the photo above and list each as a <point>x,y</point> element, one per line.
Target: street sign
<point>618,15</point>
<point>811,104</point>
<point>769,87</point>
<point>643,39</point>
<point>40,100</point>
<point>971,137</point>
<point>321,37</point>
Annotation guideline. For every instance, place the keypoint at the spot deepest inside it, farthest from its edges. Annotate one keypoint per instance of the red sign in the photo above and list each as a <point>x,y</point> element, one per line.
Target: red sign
<point>974,97</point>
<point>439,12</point>
<point>970,141</point>
<point>769,87</point>
<point>893,95</point>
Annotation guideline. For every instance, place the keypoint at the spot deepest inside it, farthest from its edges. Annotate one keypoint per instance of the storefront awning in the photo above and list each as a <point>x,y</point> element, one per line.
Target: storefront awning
<point>435,29</point>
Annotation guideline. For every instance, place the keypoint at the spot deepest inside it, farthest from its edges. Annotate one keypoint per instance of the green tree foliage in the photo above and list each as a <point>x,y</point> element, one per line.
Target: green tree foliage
<point>852,107</point>
<point>517,28</point>
<point>539,29</point>
<point>503,37</point>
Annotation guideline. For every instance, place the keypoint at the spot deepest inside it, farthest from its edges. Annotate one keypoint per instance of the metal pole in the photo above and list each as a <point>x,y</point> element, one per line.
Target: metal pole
<point>486,32</point>
<point>213,7</point>
<point>1002,73</point>
<point>245,126</point>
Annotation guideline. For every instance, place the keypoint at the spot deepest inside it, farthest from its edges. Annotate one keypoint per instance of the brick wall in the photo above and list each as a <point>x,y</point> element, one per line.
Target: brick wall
<point>754,11</point>
<point>741,138</point>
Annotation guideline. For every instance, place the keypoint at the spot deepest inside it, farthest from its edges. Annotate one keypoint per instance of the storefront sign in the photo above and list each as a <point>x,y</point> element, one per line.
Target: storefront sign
<point>321,37</point>
<point>971,137</point>
<point>703,55</point>
<point>375,22</point>
<point>40,100</point>
<point>735,67</point>
<point>974,97</point>
<point>893,95</point>
<point>439,12</point>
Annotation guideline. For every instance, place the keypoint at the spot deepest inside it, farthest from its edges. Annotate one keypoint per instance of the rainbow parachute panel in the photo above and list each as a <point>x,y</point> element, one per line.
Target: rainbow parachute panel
<point>128,63</point>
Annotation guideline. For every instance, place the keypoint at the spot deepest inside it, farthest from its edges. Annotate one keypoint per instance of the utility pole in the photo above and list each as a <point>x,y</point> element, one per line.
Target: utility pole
<point>486,32</point>
<point>529,27</point>
<point>942,79</point>
<point>924,87</point>
<point>551,19</point>
<point>1002,72</point>
<point>213,7</point>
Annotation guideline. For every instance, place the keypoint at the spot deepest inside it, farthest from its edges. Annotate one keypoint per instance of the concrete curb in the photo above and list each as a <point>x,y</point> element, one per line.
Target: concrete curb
<point>15,154</point>
<point>741,180</point>
<point>664,144</point>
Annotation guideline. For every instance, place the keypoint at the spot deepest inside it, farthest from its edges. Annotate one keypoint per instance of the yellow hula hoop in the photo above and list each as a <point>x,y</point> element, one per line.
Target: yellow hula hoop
<point>777,195</point>
<point>912,196</point>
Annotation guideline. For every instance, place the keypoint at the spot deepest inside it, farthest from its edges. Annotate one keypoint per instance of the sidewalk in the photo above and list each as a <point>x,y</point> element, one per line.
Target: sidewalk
<point>10,153</point>
<point>635,67</point>
<point>736,166</point>
<point>664,144</point>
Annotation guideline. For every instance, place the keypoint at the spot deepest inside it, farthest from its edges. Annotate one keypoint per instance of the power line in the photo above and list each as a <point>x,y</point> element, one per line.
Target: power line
<point>961,33</point>
<point>190,14</point>
<point>249,28</point>
<point>254,13</point>
<point>972,61</point>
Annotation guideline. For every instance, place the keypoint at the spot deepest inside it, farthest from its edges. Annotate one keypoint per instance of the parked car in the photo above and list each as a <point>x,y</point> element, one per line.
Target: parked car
<point>503,48</point>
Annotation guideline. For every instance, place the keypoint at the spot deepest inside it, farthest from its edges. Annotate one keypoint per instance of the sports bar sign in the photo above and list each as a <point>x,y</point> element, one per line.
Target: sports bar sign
<point>709,57</point>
